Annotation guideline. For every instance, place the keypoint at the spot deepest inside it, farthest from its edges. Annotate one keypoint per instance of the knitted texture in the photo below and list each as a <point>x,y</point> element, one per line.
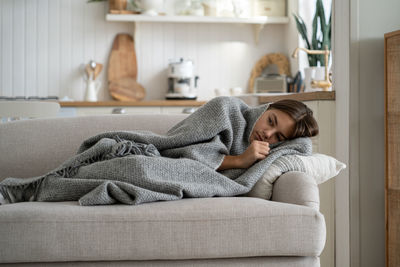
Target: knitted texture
<point>140,166</point>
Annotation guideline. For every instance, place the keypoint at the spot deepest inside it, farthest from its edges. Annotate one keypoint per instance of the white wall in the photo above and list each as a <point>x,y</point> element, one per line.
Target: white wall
<point>43,43</point>
<point>375,18</point>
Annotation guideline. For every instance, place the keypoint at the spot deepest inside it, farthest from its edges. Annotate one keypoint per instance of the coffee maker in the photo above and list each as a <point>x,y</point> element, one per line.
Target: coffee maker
<point>182,84</point>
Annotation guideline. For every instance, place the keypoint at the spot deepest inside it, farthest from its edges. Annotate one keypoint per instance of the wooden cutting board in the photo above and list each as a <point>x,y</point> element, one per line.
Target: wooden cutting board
<point>122,70</point>
<point>126,89</point>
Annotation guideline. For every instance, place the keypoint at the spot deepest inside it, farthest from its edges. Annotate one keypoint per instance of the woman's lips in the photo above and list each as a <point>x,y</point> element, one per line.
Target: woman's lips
<point>259,137</point>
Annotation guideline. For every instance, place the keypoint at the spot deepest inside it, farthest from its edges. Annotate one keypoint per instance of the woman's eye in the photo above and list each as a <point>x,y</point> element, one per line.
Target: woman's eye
<point>270,121</point>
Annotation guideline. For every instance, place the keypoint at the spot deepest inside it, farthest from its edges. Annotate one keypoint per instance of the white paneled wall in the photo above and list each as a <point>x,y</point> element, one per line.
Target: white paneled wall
<point>44,44</point>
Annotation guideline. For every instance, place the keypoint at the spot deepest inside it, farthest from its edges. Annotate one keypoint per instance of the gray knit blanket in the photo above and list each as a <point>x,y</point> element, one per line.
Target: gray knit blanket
<point>140,166</point>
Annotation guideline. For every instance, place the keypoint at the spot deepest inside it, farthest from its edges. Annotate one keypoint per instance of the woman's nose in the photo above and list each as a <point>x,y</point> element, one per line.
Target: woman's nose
<point>269,133</point>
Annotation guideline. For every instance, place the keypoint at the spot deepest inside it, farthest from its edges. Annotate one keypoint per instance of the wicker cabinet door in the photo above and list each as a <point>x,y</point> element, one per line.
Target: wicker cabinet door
<point>392,147</point>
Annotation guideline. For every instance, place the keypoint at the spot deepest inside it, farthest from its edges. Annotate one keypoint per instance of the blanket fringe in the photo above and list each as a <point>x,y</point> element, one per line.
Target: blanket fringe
<point>21,192</point>
<point>122,148</point>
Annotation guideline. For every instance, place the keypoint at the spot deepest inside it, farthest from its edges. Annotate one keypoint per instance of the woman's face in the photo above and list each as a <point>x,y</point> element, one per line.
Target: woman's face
<point>273,126</point>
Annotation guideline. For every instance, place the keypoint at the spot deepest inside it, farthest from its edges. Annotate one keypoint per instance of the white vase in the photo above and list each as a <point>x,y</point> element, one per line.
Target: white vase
<point>92,90</point>
<point>313,73</point>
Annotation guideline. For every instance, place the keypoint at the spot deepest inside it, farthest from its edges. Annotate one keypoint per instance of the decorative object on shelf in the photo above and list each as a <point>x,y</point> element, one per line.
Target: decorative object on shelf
<point>210,8</point>
<point>296,84</point>
<point>321,37</point>
<point>197,8</point>
<point>325,83</point>
<point>151,7</point>
<point>276,8</point>
<point>93,69</point>
<point>279,59</point>
<point>189,8</point>
<point>242,8</point>
<point>122,70</point>
<point>270,81</point>
<point>225,8</point>
<point>182,83</point>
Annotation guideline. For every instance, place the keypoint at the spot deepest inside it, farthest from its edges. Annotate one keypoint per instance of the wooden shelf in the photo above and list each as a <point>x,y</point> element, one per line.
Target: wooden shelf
<point>257,22</point>
<point>309,96</point>
<point>196,19</point>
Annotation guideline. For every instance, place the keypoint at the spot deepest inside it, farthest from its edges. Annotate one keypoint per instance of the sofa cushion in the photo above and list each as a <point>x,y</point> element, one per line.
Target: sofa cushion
<point>183,229</point>
<point>35,147</point>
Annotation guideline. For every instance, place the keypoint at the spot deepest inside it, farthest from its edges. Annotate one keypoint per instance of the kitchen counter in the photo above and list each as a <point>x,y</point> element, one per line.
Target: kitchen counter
<point>148,103</point>
<point>309,96</point>
<point>261,98</point>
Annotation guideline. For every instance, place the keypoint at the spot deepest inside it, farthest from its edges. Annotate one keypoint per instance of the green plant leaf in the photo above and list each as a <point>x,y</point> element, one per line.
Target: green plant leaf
<point>321,14</point>
<point>314,40</point>
<point>301,27</point>
<point>329,32</point>
<point>321,33</point>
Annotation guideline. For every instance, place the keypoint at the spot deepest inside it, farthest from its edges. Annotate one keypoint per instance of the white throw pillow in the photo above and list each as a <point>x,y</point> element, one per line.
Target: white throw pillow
<point>319,166</point>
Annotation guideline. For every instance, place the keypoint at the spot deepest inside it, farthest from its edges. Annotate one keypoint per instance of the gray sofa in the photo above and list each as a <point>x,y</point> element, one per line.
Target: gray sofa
<point>237,231</point>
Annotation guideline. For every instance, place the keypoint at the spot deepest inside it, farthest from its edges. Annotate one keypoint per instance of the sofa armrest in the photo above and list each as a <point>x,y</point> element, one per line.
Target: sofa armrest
<point>296,188</point>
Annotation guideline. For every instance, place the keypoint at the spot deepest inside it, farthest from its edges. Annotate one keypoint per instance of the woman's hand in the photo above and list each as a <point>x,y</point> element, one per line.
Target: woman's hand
<point>257,150</point>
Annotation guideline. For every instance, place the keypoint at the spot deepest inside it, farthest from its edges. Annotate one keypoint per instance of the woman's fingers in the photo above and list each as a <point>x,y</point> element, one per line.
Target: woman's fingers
<point>261,149</point>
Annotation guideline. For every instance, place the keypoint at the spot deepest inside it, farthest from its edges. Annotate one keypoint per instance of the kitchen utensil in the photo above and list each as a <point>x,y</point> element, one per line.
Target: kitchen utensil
<point>122,70</point>
<point>89,71</point>
<point>122,62</point>
<point>92,64</point>
<point>97,70</point>
<point>126,89</point>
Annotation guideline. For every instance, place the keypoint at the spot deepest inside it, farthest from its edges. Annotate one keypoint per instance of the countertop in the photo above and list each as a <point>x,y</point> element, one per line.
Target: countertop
<point>262,98</point>
<point>148,103</point>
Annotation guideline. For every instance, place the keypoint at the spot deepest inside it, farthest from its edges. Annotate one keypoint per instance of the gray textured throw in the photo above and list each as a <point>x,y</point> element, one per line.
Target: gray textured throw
<point>140,166</point>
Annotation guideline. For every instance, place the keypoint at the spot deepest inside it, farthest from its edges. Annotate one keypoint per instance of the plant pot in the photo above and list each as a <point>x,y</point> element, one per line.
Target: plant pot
<point>118,4</point>
<point>313,73</point>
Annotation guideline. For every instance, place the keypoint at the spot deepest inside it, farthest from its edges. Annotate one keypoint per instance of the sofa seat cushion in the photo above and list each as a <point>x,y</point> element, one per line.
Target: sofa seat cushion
<point>183,229</point>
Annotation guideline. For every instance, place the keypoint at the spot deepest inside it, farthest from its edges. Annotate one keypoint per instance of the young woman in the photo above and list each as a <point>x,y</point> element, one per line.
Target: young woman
<point>219,150</point>
<point>283,120</point>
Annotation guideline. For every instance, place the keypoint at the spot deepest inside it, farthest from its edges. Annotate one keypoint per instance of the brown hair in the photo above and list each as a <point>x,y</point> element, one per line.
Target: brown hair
<point>306,125</point>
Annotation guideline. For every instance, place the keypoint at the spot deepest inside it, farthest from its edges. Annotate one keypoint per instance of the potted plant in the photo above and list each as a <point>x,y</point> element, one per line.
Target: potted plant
<point>321,37</point>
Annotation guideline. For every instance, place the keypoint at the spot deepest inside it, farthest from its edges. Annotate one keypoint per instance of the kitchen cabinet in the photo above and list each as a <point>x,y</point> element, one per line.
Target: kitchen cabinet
<point>392,148</point>
<point>69,109</point>
<point>87,111</point>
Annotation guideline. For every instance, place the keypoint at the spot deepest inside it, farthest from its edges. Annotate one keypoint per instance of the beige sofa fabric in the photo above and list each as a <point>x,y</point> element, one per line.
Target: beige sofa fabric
<point>33,147</point>
<point>183,229</point>
<point>296,188</point>
<point>236,262</point>
<point>217,231</point>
